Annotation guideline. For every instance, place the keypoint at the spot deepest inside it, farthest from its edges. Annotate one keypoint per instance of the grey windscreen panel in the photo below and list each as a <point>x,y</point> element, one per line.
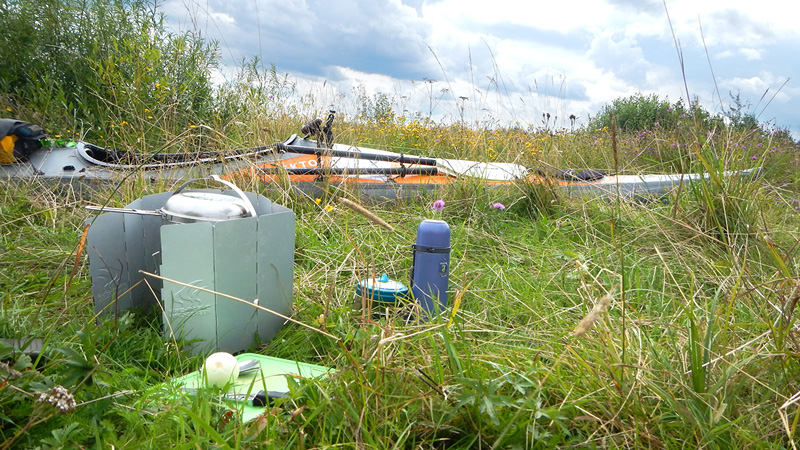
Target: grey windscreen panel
<point>108,264</point>
<point>151,244</point>
<point>275,268</point>
<point>141,240</point>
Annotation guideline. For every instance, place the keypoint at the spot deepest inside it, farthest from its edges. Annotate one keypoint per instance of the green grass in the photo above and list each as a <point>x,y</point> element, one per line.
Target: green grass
<point>697,347</point>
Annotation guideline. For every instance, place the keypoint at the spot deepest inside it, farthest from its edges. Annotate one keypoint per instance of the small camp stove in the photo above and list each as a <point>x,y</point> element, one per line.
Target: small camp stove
<point>232,242</point>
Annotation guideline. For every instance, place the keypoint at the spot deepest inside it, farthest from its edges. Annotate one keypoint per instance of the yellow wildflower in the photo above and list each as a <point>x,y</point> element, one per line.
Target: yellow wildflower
<point>328,208</point>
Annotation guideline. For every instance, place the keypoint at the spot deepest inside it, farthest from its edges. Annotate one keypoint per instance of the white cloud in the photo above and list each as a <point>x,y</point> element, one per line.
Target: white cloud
<point>733,22</point>
<point>580,14</point>
<point>750,53</point>
<point>754,86</point>
<point>519,57</point>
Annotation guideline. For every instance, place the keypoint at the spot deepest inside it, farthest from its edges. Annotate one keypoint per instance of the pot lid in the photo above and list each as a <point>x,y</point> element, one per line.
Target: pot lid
<point>204,206</point>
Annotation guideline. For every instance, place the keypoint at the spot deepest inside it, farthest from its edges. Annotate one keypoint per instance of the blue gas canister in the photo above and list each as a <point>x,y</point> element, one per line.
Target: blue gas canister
<point>382,290</point>
<point>430,270</point>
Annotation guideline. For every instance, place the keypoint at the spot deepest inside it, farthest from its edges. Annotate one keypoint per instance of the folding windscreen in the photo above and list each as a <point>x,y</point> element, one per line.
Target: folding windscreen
<point>248,258</point>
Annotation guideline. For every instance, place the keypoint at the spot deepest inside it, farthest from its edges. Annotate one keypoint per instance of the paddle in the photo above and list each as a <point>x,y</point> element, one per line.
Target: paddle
<point>403,171</point>
<point>371,155</point>
<point>491,171</point>
<point>453,167</point>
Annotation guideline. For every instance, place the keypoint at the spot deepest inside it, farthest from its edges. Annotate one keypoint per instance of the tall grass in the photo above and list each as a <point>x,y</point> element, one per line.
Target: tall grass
<point>710,330</point>
<point>686,308</point>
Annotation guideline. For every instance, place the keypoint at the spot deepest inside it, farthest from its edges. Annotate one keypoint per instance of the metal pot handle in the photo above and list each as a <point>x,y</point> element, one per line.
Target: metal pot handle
<point>251,211</point>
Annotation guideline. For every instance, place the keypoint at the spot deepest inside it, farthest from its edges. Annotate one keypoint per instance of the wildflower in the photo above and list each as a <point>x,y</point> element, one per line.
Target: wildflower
<point>328,207</point>
<point>499,206</point>
<point>124,122</point>
<point>8,109</point>
<point>438,205</point>
<point>59,397</point>
<point>318,200</point>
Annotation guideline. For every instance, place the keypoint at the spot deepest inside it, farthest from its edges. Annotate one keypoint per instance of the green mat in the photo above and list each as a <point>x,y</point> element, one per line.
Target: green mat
<point>271,376</point>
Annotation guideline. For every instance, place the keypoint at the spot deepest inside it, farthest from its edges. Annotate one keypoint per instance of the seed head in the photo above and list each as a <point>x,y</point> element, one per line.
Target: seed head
<point>59,397</point>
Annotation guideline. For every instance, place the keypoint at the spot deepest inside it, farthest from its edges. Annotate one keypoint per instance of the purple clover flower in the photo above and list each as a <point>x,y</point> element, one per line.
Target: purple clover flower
<point>438,206</point>
<point>499,206</point>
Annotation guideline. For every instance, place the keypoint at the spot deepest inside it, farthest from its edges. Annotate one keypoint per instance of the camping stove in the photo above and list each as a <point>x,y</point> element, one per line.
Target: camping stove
<point>250,258</point>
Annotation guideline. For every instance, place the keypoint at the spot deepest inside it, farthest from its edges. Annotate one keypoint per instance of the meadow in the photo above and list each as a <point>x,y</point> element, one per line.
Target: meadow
<point>572,323</point>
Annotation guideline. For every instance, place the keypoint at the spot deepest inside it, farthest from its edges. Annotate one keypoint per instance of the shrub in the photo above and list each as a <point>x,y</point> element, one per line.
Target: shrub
<point>95,64</point>
<point>639,113</point>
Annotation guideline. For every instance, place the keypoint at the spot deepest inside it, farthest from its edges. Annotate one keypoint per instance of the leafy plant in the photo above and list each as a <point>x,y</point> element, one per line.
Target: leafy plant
<point>104,70</point>
<point>641,112</point>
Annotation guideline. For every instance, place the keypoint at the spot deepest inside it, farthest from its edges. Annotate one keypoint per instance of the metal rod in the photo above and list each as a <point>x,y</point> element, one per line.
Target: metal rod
<point>349,171</point>
<point>146,212</point>
<point>391,157</point>
<point>254,305</point>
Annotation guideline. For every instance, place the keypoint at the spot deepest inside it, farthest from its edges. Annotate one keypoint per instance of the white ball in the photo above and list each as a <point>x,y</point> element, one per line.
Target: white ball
<point>220,369</point>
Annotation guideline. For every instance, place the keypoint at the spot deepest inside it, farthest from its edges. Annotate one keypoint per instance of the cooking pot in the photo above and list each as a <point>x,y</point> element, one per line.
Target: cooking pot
<point>196,206</point>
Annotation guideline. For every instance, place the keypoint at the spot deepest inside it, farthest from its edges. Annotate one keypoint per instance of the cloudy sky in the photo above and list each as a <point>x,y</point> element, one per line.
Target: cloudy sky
<point>507,61</point>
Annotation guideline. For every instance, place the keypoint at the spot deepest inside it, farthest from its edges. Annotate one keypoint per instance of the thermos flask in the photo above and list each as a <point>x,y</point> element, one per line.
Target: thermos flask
<point>430,270</point>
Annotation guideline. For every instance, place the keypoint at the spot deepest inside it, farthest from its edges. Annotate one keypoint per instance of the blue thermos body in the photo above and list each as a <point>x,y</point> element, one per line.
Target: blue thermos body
<point>430,270</point>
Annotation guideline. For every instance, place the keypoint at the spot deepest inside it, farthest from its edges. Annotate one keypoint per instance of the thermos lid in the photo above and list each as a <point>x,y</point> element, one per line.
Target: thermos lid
<point>433,233</point>
<point>382,289</point>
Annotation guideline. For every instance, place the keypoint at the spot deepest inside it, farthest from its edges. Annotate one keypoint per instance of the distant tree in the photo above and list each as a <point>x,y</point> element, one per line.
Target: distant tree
<point>739,114</point>
<point>640,112</point>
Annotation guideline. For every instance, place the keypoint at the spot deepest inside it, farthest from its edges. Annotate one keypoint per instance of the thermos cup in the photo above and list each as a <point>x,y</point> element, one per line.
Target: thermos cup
<point>430,270</point>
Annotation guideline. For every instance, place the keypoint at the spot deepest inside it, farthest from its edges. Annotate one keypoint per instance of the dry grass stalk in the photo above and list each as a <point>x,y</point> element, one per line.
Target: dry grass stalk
<point>366,213</point>
<point>588,322</point>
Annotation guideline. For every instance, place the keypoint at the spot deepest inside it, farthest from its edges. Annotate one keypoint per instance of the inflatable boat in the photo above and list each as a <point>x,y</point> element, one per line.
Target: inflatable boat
<point>313,164</point>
